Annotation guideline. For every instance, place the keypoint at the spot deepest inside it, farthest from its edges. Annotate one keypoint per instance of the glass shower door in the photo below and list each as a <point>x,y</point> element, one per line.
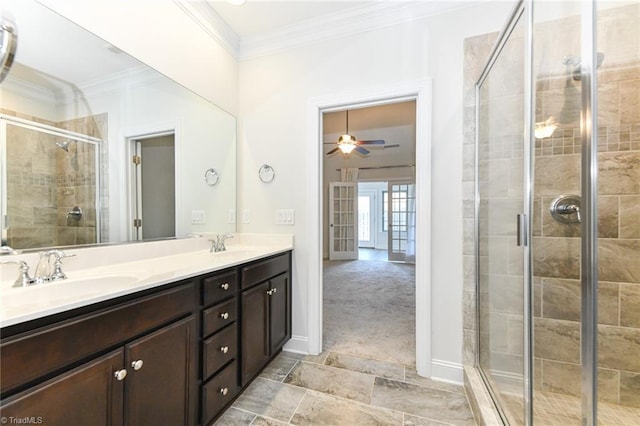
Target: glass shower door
<point>500,203</point>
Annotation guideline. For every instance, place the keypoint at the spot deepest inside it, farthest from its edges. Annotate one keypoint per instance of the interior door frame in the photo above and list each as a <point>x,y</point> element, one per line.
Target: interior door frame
<point>421,92</point>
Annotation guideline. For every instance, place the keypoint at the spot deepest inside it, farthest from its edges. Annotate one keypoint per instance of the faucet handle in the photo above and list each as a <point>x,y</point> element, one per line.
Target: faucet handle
<point>57,273</point>
<point>23,279</point>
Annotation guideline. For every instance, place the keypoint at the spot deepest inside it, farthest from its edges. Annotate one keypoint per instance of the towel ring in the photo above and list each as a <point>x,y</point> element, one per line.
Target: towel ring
<point>211,176</point>
<point>266,173</point>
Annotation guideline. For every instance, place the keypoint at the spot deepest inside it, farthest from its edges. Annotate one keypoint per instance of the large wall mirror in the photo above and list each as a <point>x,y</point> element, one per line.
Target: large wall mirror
<point>96,147</point>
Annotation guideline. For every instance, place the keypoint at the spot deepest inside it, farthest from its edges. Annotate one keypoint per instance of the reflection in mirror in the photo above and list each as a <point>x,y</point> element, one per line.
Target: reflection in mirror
<point>73,110</point>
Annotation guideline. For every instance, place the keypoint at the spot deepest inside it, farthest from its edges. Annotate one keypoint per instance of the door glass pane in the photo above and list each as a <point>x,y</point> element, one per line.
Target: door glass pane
<point>500,261</point>
<point>557,238</point>
<point>61,174</point>
<point>618,115</point>
<point>364,218</point>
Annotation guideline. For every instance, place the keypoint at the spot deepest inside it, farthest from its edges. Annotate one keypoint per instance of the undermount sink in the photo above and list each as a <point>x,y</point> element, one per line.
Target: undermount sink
<point>86,286</point>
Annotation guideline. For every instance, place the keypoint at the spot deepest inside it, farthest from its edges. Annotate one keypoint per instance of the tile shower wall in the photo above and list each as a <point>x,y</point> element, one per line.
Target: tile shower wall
<point>44,182</point>
<point>556,247</point>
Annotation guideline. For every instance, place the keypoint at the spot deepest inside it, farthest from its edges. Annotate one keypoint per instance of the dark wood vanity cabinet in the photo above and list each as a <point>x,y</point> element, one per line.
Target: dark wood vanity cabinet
<point>219,343</point>
<point>132,363</point>
<point>175,355</point>
<point>266,312</point>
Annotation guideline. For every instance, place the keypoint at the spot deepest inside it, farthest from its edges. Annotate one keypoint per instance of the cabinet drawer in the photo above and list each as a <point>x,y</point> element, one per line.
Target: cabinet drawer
<point>42,351</point>
<point>218,316</point>
<point>219,349</point>
<point>218,287</point>
<point>261,271</point>
<point>219,392</point>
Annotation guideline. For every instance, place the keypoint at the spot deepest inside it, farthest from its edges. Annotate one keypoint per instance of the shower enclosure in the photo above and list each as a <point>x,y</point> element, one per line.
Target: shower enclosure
<point>50,184</point>
<point>557,215</point>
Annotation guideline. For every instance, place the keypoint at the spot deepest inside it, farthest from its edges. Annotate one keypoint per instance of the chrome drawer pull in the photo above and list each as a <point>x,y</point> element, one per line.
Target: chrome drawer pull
<point>224,391</point>
<point>137,365</point>
<point>120,374</point>
<point>224,315</point>
<point>225,286</point>
<point>224,349</point>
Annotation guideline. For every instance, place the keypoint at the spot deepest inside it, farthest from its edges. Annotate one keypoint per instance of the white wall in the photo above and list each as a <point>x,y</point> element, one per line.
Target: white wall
<point>160,34</point>
<point>274,93</point>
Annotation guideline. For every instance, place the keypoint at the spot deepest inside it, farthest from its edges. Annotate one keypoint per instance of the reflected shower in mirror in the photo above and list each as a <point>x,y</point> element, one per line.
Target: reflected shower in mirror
<point>72,107</point>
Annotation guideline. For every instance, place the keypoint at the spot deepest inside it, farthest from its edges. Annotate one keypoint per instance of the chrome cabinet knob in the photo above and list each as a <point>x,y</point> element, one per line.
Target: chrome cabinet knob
<point>224,315</point>
<point>275,290</point>
<point>224,349</point>
<point>137,365</point>
<point>270,292</point>
<point>120,374</point>
<point>224,391</point>
<point>225,286</point>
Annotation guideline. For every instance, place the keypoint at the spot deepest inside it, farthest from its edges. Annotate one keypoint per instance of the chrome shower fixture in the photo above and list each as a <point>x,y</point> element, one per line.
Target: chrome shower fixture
<point>64,144</point>
<point>575,62</point>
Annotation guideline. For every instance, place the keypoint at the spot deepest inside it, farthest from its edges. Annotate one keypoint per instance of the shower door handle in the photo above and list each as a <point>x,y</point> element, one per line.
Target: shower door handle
<point>521,231</point>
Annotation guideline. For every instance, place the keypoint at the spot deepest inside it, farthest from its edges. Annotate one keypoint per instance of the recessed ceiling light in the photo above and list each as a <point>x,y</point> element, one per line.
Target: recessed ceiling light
<point>236,2</point>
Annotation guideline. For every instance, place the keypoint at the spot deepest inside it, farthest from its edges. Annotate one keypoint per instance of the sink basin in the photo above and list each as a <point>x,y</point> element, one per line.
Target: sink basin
<point>71,288</point>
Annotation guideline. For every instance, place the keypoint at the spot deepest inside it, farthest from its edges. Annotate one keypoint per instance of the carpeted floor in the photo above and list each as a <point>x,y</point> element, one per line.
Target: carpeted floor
<point>369,310</point>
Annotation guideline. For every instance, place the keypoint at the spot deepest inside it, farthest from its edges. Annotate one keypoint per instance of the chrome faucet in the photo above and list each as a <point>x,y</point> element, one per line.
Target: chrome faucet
<point>218,244</point>
<point>23,279</point>
<point>43,270</point>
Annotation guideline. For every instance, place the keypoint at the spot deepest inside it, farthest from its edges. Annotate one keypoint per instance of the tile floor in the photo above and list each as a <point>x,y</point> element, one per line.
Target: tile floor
<point>339,389</point>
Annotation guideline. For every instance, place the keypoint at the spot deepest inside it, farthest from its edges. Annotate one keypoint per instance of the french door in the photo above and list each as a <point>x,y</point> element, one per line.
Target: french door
<point>401,221</point>
<point>343,223</point>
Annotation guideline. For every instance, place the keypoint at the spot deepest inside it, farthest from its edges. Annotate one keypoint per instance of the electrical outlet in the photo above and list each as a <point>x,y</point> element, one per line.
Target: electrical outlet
<point>197,217</point>
<point>232,216</point>
<point>246,216</point>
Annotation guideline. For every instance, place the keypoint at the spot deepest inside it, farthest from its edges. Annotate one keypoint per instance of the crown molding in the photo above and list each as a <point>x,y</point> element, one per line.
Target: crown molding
<point>208,20</point>
<point>369,16</point>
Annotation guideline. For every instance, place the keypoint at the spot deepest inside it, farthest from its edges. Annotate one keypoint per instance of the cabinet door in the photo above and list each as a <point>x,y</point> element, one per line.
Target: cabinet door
<point>160,384</point>
<point>255,330</point>
<point>88,395</point>
<point>279,314</point>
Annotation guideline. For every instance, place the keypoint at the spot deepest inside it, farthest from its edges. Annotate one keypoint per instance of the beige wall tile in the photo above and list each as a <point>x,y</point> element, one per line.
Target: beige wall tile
<point>629,101</point>
<point>619,348</point>
<point>619,173</point>
<point>618,260</point>
<point>556,175</point>
<point>556,257</point>
<point>630,216</point>
<point>630,305</point>
<point>557,340</point>
<point>630,389</point>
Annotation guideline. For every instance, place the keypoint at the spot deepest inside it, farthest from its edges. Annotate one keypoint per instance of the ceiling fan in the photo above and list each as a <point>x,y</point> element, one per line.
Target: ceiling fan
<point>347,143</point>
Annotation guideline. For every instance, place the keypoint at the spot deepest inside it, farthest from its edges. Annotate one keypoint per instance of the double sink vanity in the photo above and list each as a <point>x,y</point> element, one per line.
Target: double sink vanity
<point>157,333</point>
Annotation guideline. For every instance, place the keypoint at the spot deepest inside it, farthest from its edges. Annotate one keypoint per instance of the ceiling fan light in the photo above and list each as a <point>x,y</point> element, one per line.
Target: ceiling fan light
<point>346,148</point>
<point>347,139</point>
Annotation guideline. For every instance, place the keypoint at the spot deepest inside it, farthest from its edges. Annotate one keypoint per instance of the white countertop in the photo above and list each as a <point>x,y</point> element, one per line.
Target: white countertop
<point>101,273</point>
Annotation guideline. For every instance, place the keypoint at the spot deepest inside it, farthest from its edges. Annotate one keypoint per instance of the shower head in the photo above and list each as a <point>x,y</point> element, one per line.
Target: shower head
<point>575,62</point>
<point>64,144</point>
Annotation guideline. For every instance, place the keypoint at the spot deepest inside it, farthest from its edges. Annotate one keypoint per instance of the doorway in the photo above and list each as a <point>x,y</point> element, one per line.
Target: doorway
<point>153,186</point>
<point>367,197</point>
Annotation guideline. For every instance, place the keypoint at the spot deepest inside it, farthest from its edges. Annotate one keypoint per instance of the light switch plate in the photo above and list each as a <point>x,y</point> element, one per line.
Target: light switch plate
<point>232,216</point>
<point>285,217</point>
<point>246,216</point>
<point>197,217</point>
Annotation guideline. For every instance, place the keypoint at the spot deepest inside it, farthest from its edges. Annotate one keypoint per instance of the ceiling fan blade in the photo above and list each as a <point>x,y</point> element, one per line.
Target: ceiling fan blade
<point>374,142</point>
<point>361,150</point>
<point>395,145</point>
<point>333,150</point>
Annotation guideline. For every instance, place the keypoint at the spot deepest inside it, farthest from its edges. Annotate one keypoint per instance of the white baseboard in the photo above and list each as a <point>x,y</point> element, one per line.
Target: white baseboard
<point>297,344</point>
<point>445,371</point>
